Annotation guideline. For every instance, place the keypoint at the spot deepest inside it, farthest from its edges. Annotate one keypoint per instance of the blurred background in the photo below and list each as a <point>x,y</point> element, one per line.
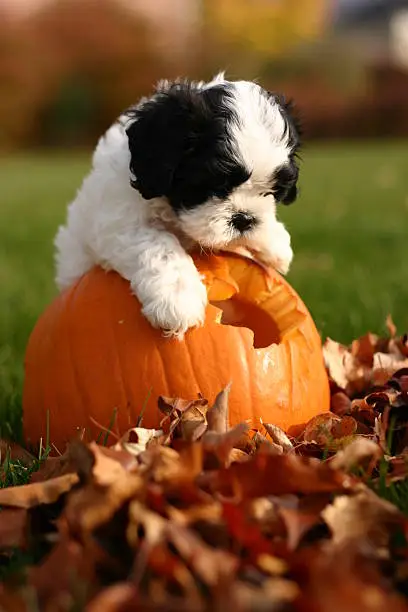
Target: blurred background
<point>69,67</point>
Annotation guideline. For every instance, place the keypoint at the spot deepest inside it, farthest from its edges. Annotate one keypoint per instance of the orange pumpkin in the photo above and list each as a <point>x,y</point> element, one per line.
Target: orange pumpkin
<point>92,353</point>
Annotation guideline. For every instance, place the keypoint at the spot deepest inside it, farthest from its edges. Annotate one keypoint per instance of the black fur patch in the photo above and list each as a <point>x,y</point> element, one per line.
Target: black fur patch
<point>179,145</point>
<point>285,183</point>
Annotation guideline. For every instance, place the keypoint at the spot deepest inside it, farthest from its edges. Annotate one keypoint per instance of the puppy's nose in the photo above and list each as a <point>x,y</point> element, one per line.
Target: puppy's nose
<point>242,221</point>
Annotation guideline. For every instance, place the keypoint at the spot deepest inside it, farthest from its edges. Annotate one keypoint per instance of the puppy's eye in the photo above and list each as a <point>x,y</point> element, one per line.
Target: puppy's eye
<point>267,193</point>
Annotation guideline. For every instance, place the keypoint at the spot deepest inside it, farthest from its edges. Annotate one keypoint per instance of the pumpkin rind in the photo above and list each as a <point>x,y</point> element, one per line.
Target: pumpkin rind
<point>92,354</point>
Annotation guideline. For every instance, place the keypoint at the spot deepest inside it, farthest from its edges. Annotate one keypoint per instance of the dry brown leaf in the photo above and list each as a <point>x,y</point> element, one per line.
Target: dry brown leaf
<point>338,361</point>
<point>265,446</point>
<point>13,528</point>
<point>112,484</point>
<point>271,595</point>
<point>111,466</point>
<point>267,475</point>
<point>278,436</point>
<point>385,365</point>
<point>364,348</point>
<point>209,513</point>
<point>217,415</point>
<point>362,517</point>
<point>391,327</point>
<point>30,495</point>
<point>355,453</point>
<point>59,579</point>
<point>187,417</point>
<point>340,404</point>
<point>168,465</point>
<point>238,456</point>
<point>303,517</point>
<point>12,600</point>
<point>76,459</point>
<point>347,371</point>
<point>221,444</point>
<point>121,597</point>
<point>153,524</point>
<point>272,565</point>
<point>320,429</point>
<point>402,344</point>
<point>209,564</point>
<point>137,439</point>
<point>345,428</point>
<point>343,579</point>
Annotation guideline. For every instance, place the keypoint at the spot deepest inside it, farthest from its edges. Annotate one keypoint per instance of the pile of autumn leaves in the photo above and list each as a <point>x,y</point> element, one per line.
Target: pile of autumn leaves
<point>198,516</point>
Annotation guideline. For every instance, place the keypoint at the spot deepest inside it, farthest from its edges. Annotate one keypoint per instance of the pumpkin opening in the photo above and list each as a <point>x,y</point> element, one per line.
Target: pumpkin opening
<point>239,312</point>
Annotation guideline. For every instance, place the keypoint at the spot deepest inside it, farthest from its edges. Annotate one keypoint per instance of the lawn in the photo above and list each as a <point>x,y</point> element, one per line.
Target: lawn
<point>349,233</point>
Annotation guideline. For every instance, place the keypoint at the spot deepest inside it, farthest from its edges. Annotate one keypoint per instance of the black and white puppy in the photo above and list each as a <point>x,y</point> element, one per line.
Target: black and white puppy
<point>196,165</point>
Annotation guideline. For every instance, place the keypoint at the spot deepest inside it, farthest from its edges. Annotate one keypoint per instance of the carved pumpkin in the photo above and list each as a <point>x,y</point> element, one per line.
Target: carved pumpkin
<point>92,354</point>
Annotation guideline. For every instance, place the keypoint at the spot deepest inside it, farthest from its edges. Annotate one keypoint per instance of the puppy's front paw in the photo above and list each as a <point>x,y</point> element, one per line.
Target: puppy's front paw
<point>177,310</point>
<point>278,253</point>
<point>282,259</point>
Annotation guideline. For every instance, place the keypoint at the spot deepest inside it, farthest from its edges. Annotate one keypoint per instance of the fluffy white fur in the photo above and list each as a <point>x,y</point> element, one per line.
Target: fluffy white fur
<point>111,225</point>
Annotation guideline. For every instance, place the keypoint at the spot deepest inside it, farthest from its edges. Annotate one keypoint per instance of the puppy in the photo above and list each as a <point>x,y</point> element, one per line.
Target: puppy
<point>197,165</point>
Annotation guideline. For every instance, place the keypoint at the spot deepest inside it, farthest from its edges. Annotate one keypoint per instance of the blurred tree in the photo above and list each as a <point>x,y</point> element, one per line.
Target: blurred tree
<point>266,27</point>
<point>69,70</point>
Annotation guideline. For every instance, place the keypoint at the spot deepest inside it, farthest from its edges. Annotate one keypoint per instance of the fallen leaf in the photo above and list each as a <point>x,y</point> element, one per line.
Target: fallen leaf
<point>217,415</point>
<point>264,445</point>
<point>355,453</point>
<point>364,348</point>
<point>13,601</point>
<point>300,519</point>
<point>265,475</point>
<point>237,455</point>
<point>272,565</point>
<point>30,495</point>
<point>221,444</point>
<point>385,365</point>
<point>136,440</point>
<point>319,429</point>
<point>154,526</point>
<point>61,577</point>
<point>347,426</point>
<point>340,404</point>
<point>391,327</point>
<point>13,528</point>
<point>343,579</point>
<point>209,564</point>
<point>121,597</point>
<point>187,417</point>
<point>362,517</point>
<point>244,531</point>
<point>402,344</point>
<point>345,368</point>
<point>77,459</point>
<point>111,465</point>
<point>398,469</point>
<point>274,594</point>
<point>278,436</point>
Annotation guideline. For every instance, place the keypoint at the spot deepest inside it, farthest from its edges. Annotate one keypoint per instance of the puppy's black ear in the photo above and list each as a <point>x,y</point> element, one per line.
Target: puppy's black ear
<point>157,135</point>
<point>291,195</point>
<point>285,179</point>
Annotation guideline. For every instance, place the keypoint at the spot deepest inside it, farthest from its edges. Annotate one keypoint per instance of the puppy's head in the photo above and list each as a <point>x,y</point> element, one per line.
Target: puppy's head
<point>222,154</point>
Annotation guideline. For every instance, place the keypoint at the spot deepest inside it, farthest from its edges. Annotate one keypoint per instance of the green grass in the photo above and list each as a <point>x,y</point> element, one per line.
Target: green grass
<point>349,233</point>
